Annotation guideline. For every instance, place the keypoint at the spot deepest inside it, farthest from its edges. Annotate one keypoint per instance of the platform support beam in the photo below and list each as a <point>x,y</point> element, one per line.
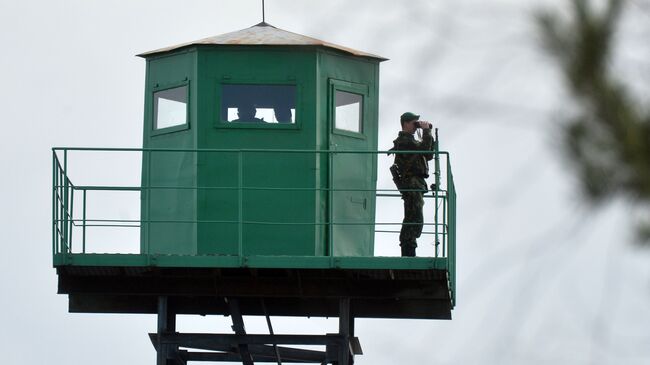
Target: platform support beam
<point>345,353</point>
<point>249,349</point>
<point>166,354</point>
<point>239,329</point>
<point>344,331</point>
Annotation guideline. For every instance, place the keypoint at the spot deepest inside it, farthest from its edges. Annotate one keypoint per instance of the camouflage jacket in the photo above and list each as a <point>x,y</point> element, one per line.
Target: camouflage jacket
<point>413,165</point>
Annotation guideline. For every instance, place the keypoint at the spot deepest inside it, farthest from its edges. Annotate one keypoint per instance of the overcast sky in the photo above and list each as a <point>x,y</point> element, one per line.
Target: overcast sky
<point>541,278</point>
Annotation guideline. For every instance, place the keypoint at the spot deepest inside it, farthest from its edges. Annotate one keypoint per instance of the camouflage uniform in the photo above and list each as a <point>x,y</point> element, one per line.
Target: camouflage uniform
<point>413,170</point>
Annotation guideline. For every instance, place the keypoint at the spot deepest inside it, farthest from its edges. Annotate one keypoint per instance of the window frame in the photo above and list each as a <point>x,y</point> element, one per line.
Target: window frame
<point>219,123</point>
<point>176,128</point>
<point>353,88</point>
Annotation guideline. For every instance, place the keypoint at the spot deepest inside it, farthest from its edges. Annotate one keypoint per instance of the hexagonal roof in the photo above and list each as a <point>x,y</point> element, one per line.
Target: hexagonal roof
<point>266,35</point>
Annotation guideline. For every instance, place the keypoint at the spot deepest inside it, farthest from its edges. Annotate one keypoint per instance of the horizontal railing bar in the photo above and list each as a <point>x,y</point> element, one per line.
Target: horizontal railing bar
<point>100,220</point>
<point>339,223</point>
<point>442,193</point>
<point>118,188</point>
<point>110,225</point>
<point>244,150</point>
<point>233,222</point>
<point>138,226</point>
<point>426,196</point>
<point>391,195</point>
<point>125,221</point>
<point>383,231</point>
<point>245,222</point>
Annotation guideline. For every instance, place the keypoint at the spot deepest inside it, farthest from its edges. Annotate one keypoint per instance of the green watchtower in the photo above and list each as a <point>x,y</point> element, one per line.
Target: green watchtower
<point>257,196</point>
<point>259,88</point>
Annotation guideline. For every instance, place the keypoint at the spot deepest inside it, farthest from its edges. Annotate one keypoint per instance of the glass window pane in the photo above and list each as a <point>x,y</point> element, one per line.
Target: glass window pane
<point>170,107</point>
<point>274,104</point>
<point>348,111</point>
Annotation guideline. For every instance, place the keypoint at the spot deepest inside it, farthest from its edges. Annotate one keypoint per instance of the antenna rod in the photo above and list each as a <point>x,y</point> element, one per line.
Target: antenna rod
<point>263,15</point>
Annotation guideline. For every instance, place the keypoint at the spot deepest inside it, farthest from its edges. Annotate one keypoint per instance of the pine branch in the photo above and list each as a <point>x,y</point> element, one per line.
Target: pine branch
<point>608,141</point>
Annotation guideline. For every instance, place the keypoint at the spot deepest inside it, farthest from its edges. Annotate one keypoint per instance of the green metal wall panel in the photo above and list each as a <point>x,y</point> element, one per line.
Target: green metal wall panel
<point>271,214</point>
<point>164,172</point>
<point>350,208</point>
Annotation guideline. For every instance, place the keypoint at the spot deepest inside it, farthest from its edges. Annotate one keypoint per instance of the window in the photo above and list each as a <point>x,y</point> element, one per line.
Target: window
<point>258,104</point>
<point>170,107</point>
<point>348,111</point>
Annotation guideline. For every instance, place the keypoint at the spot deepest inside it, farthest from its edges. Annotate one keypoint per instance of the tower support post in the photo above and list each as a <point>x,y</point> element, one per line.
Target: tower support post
<point>346,332</point>
<point>166,354</point>
<point>249,349</point>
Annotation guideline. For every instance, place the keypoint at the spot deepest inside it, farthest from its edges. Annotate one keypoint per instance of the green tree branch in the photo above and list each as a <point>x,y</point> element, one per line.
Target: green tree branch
<point>608,140</point>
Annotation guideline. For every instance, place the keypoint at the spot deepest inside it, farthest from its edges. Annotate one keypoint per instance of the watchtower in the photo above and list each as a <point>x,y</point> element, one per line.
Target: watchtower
<point>257,197</point>
<point>260,88</point>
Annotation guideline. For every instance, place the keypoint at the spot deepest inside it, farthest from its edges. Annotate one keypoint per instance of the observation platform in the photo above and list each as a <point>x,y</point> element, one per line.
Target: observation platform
<point>271,285</point>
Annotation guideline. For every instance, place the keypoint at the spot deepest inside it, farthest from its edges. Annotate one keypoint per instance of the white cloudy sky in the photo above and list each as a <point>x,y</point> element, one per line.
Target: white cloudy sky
<point>541,279</point>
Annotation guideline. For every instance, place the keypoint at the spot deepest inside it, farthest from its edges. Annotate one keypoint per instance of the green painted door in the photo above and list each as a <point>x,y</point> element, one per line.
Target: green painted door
<point>351,208</point>
<point>259,202</point>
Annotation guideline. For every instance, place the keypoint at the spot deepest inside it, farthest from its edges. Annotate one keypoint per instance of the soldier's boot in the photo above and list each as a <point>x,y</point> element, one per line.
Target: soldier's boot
<point>408,249</point>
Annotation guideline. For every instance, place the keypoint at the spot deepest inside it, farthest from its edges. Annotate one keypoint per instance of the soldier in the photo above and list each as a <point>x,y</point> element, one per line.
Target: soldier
<point>246,113</point>
<point>409,172</point>
<point>283,114</point>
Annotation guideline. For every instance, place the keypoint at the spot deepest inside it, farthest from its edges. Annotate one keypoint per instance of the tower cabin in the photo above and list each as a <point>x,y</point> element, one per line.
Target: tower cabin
<point>274,97</point>
<point>258,197</point>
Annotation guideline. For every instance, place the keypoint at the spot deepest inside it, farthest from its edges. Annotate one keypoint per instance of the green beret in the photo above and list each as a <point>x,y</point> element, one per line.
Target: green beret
<point>408,116</point>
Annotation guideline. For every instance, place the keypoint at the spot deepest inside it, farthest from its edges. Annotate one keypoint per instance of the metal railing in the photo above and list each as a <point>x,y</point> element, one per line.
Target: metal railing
<point>67,219</point>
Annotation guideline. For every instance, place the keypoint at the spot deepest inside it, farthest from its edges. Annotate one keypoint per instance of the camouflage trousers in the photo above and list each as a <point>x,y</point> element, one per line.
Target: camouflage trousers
<point>413,218</point>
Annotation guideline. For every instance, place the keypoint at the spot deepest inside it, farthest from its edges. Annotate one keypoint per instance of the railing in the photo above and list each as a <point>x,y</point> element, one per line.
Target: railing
<point>67,219</point>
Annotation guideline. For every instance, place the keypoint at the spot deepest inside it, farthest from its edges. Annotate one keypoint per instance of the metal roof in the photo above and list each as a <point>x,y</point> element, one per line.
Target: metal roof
<point>267,35</point>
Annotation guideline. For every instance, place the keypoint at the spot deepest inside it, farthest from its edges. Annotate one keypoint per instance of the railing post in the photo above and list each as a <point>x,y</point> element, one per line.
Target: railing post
<point>451,260</point>
<point>240,197</point>
<point>59,218</point>
<point>147,192</point>
<point>445,216</point>
<point>451,264</point>
<point>54,217</point>
<point>65,201</point>
<point>61,211</point>
<point>330,203</point>
<point>445,231</point>
<point>71,216</point>
<point>436,157</point>
<point>83,227</point>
